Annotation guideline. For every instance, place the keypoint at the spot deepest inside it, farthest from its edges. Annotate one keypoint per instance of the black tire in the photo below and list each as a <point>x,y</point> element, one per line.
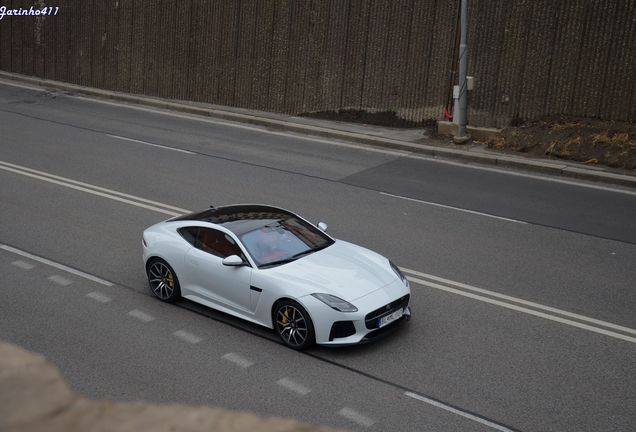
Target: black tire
<point>162,280</point>
<point>293,325</point>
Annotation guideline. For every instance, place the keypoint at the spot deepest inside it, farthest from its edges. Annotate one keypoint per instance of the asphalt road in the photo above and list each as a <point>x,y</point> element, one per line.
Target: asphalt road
<point>523,285</point>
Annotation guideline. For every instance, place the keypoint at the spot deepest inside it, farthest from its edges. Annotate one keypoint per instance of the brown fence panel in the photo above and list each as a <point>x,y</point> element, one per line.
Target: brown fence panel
<point>263,52</point>
<point>440,59</point>
<point>152,35</point>
<point>67,35</point>
<point>28,47</point>
<point>49,46</point>
<point>486,46</point>
<point>355,47</point>
<point>280,53</point>
<point>621,66</point>
<point>334,24</point>
<point>204,80</point>
<point>316,55</point>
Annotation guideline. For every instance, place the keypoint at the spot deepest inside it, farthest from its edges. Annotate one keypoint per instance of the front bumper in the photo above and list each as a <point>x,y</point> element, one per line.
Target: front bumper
<point>349,328</point>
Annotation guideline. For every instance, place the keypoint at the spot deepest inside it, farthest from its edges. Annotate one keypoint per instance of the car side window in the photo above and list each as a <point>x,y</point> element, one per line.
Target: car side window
<point>217,243</point>
<point>189,234</point>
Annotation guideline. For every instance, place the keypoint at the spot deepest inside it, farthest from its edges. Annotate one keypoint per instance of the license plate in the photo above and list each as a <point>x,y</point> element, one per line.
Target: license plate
<point>390,318</point>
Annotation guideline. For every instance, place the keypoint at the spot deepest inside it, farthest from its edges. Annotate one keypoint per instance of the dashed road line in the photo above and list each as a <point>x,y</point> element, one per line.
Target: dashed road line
<point>238,360</point>
<point>141,316</point>
<point>459,412</point>
<point>59,280</point>
<point>293,386</point>
<point>99,297</point>
<point>187,336</point>
<point>356,417</point>
<point>23,265</point>
<point>56,265</point>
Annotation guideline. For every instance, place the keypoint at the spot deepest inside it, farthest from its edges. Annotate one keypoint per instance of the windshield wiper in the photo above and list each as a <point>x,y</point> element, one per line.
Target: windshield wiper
<point>278,262</point>
<point>308,251</point>
<point>293,257</point>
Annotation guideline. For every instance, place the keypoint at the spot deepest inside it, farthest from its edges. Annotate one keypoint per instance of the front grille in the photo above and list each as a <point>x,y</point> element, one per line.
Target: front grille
<point>341,329</point>
<point>371,319</point>
<point>381,332</point>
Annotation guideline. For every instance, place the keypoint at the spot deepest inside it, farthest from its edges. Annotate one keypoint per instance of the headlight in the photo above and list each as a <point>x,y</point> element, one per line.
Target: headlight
<point>336,303</point>
<point>399,274</point>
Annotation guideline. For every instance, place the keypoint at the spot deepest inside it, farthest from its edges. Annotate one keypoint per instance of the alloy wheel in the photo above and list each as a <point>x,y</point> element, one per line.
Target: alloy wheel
<point>292,326</point>
<point>161,279</point>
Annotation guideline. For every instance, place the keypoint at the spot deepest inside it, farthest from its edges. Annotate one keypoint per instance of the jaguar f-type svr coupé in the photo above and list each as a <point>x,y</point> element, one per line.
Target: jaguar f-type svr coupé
<point>272,267</point>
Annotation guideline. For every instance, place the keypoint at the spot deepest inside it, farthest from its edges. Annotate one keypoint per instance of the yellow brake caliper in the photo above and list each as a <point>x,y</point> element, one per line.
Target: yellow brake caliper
<point>170,280</point>
<point>285,318</point>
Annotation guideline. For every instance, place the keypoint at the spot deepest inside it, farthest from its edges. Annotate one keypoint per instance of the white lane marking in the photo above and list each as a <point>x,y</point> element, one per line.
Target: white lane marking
<point>91,191</point>
<point>521,301</point>
<point>458,412</point>
<point>23,265</point>
<point>454,208</point>
<point>59,280</point>
<point>546,178</point>
<point>94,187</point>
<point>141,316</point>
<point>525,310</point>
<point>292,385</point>
<point>238,360</point>
<point>356,417</point>
<point>56,265</point>
<point>187,336</point>
<point>150,144</point>
<point>98,297</point>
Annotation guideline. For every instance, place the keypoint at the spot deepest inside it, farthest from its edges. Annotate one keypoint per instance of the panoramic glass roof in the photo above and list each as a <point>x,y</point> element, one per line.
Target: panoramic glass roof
<point>239,218</point>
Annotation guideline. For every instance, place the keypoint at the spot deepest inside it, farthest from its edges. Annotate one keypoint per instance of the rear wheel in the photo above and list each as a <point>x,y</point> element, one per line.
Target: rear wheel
<point>293,325</point>
<point>163,280</point>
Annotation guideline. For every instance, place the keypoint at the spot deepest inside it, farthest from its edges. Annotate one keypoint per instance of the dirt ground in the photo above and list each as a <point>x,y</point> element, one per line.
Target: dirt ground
<point>590,141</point>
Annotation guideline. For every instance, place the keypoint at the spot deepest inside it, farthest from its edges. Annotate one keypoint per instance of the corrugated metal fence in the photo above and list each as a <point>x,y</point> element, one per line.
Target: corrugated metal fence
<point>530,57</point>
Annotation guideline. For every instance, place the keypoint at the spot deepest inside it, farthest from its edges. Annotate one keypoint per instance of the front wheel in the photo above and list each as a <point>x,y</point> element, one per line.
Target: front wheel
<point>163,280</point>
<point>293,325</point>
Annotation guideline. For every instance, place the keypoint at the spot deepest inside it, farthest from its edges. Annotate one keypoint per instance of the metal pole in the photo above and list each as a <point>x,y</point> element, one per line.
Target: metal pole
<point>462,136</point>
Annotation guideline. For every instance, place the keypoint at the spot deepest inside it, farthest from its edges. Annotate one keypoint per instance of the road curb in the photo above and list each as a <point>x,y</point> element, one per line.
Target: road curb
<point>377,141</point>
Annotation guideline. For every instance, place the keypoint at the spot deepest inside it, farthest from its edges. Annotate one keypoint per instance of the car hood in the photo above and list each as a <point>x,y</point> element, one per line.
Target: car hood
<point>343,269</point>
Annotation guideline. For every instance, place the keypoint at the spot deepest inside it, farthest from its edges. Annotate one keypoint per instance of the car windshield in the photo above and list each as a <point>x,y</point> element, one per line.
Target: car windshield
<point>283,240</point>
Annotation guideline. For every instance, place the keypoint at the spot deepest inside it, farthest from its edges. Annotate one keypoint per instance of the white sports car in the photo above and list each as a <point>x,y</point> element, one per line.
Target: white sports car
<point>271,267</point>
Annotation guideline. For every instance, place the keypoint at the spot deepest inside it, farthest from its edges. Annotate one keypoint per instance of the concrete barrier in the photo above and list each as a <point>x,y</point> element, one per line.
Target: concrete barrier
<point>34,397</point>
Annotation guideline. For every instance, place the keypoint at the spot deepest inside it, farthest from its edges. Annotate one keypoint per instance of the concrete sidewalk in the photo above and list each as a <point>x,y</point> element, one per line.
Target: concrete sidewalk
<point>410,140</point>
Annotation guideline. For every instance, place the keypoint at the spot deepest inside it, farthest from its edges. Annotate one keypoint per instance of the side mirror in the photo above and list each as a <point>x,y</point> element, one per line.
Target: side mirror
<point>233,261</point>
<point>322,226</point>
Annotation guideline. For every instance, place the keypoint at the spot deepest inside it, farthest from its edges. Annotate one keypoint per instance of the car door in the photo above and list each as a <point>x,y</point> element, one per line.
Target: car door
<point>226,286</point>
